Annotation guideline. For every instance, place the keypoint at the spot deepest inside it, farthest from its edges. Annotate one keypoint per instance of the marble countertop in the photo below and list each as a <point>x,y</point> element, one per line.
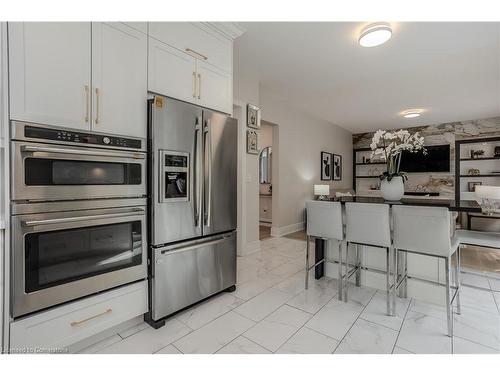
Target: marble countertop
<point>451,204</point>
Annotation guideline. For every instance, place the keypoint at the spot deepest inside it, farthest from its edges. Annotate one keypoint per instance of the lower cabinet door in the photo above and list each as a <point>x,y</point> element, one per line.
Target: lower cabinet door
<point>55,329</point>
<point>189,272</point>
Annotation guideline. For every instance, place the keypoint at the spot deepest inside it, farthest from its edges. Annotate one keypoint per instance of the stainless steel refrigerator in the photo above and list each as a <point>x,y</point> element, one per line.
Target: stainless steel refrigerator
<point>193,175</point>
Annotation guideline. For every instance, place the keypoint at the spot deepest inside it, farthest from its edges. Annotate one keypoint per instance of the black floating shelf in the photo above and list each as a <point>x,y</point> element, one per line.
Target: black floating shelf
<point>475,159</point>
<point>367,177</point>
<point>481,175</point>
<point>374,163</point>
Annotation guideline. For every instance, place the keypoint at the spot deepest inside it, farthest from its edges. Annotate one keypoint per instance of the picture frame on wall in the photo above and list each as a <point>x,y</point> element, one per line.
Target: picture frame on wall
<point>337,167</point>
<point>326,166</point>
<point>253,116</point>
<point>472,185</point>
<point>252,142</point>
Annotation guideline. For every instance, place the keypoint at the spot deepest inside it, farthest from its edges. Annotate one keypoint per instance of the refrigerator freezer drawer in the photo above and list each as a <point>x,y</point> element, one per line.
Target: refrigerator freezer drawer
<point>186,273</point>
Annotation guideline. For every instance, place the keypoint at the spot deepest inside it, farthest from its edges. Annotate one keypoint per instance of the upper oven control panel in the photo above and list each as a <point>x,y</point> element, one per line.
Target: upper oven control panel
<point>32,132</point>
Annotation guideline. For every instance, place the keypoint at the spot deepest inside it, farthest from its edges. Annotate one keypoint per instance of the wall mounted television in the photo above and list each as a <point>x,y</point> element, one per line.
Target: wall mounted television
<point>436,160</point>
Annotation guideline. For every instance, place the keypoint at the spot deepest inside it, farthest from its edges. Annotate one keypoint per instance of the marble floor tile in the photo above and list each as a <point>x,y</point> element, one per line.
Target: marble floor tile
<point>216,334</point>
<point>424,334</point>
<point>150,340</point>
<point>249,273</point>
<point>335,318</point>
<point>478,299</point>
<point>461,346</point>
<point>293,284</point>
<point>368,338</point>
<point>307,341</point>
<point>494,283</point>
<point>314,298</point>
<point>286,270</point>
<point>242,345</point>
<point>398,350</point>
<point>169,349</point>
<point>133,330</point>
<point>209,310</point>
<point>263,304</point>
<point>360,294</point>
<point>97,347</point>
<point>254,287</point>
<point>376,311</point>
<point>427,308</point>
<point>497,300</point>
<point>277,328</point>
<point>479,327</point>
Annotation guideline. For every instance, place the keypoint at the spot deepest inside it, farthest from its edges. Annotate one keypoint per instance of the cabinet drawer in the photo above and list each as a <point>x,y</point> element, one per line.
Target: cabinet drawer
<point>197,40</point>
<point>68,324</point>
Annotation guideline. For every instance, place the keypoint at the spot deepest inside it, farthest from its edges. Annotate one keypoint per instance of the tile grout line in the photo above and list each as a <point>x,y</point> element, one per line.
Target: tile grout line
<point>401,327</point>
<point>352,325</point>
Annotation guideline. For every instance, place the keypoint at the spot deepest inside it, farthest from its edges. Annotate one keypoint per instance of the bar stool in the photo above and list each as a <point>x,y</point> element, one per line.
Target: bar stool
<point>368,224</point>
<point>324,221</point>
<point>428,231</point>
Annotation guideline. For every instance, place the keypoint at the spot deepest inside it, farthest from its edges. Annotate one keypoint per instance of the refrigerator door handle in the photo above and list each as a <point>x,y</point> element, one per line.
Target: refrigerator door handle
<point>182,248</point>
<point>208,172</point>
<point>196,173</point>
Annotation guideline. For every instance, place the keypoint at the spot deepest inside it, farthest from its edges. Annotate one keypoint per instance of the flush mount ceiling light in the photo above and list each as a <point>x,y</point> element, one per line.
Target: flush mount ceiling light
<point>412,113</point>
<point>375,34</point>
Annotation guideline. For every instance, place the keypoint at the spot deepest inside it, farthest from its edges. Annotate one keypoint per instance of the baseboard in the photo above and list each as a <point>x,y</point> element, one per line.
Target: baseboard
<point>283,231</point>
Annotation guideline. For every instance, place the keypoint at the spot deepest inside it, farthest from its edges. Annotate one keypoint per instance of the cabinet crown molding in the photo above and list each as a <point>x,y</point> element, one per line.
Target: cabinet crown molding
<point>231,30</point>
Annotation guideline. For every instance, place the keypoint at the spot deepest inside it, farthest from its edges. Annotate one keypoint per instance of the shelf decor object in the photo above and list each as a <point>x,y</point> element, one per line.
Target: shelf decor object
<point>489,197</point>
<point>253,116</point>
<point>387,146</point>
<point>337,167</point>
<point>326,166</point>
<point>321,191</point>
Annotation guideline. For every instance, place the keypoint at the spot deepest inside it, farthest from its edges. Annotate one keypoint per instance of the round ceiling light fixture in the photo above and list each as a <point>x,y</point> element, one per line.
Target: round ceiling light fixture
<point>375,34</point>
<point>412,113</point>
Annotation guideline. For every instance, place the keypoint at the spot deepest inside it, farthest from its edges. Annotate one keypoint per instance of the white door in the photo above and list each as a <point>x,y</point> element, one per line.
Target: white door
<point>119,79</point>
<point>214,88</point>
<point>171,72</point>
<point>49,65</point>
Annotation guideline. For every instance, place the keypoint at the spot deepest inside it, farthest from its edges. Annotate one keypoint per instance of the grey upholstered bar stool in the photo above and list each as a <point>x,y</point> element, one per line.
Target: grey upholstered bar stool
<point>427,231</point>
<point>368,224</point>
<point>324,221</point>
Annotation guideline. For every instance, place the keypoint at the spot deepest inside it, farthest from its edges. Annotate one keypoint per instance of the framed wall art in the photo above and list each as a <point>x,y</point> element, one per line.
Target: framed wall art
<point>253,116</point>
<point>326,166</point>
<point>337,167</point>
<point>252,142</point>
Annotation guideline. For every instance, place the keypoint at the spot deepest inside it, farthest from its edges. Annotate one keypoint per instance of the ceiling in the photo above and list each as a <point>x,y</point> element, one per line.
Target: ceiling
<point>450,70</point>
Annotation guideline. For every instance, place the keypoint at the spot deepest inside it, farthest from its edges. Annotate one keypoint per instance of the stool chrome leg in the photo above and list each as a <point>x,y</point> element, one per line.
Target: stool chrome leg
<point>405,272</point>
<point>449,315</point>
<point>458,276</point>
<point>307,261</point>
<point>394,279</point>
<point>358,266</point>
<point>387,281</point>
<point>341,280</point>
<point>346,276</point>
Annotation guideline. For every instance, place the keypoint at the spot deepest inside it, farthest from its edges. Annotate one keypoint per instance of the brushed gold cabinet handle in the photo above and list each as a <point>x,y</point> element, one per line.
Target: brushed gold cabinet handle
<point>90,318</point>
<point>194,85</point>
<point>192,51</point>
<point>87,103</point>
<point>96,105</point>
<point>199,86</point>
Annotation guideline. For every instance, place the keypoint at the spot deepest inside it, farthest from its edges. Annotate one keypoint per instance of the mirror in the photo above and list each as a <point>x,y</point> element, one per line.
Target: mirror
<point>265,165</point>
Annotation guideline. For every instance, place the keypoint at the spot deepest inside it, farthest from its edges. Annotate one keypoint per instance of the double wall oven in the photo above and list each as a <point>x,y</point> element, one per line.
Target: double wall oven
<point>78,214</point>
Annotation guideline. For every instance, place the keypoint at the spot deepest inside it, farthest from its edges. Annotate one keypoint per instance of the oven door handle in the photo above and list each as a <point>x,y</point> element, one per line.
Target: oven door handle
<point>31,223</point>
<point>55,150</point>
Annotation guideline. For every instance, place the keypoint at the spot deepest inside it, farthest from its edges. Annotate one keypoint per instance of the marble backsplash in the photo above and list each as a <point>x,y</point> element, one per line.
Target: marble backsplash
<point>437,134</point>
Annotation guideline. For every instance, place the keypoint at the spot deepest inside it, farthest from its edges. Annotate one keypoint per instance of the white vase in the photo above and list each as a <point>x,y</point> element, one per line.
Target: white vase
<point>393,190</point>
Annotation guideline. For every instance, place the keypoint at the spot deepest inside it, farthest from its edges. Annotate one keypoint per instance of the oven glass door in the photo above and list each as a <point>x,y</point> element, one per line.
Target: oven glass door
<point>58,257</point>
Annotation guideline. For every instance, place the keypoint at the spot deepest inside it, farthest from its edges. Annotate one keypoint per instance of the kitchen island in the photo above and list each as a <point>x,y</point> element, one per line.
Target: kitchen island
<point>425,272</point>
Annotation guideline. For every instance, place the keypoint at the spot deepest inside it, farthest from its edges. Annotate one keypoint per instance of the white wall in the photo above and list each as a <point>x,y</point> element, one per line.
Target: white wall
<point>297,147</point>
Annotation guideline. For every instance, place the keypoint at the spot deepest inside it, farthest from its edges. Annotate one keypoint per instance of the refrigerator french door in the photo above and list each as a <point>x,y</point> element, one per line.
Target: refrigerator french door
<point>193,169</point>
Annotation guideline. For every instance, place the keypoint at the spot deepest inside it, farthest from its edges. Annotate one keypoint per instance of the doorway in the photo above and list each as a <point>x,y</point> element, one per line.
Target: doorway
<point>266,147</point>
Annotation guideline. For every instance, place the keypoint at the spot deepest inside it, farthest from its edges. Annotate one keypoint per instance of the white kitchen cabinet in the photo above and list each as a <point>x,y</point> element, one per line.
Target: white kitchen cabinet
<point>171,72</point>
<point>215,87</point>
<point>140,26</point>
<point>119,79</point>
<point>50,70</point>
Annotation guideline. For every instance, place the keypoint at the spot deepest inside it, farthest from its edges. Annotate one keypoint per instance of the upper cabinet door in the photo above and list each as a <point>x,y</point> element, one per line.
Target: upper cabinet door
<point>49,65</point>
<point>119,79</point>
<point>215,88</point>
<point>171,72</point>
